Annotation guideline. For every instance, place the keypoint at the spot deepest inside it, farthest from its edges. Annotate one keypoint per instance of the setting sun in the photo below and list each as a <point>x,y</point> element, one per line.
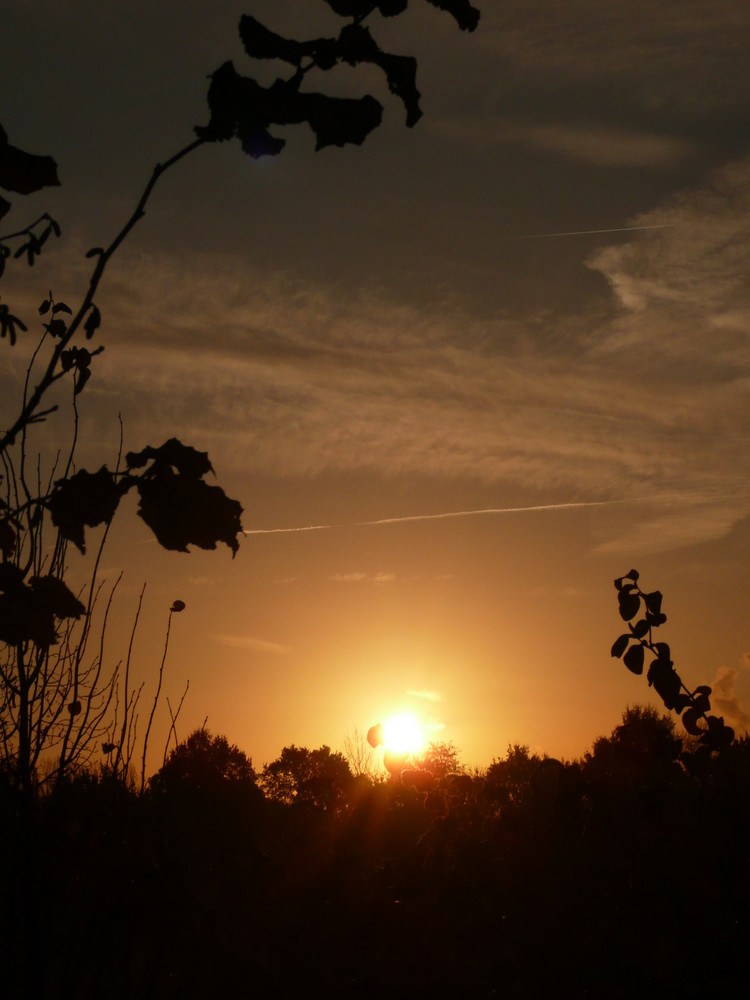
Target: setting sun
<point>403,734</point>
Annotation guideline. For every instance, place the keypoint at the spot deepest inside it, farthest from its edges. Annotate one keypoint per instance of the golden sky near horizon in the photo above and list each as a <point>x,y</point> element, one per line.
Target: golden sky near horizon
<point>534,305</point>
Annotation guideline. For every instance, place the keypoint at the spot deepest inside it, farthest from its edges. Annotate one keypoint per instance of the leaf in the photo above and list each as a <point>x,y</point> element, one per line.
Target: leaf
<point>665,681</point>
<point>173,454</point>
<point>182,511</point>
<point>177,606</point>
<point>653,602</point>
<point>640,628</point>
<point>84,499</point>
<point>690,721</point>
<point>357,45</point>
<point>56,327</point>
<point>241,107</point>
<point>24,172</point>
<point>466,16</point>
<point>53,594</point>
<point>93,322</point>
<point>633,659</point>
<point>630,604</point>
<point>261,43</point>
<point>718,736</point>
<point>350,8</point>
<point>61,307</point>
<point>45,306</point>
<point>620,645</point>
<point>74,708</point>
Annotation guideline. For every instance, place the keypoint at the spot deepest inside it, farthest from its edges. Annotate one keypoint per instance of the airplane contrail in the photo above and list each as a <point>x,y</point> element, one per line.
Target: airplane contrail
<point>589,232</point>
<point>443,516</point>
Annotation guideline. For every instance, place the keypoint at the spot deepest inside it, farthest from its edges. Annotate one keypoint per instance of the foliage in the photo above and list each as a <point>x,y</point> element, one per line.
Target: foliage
<point>440,758</point>
<point>300,776</point>
<point>202,763</point>
<point>509,778</point>
<point>632,647</point>
<point>644,748</point>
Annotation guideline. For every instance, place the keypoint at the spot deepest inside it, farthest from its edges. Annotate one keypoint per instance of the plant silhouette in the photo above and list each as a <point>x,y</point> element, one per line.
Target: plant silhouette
<point>632,647</point>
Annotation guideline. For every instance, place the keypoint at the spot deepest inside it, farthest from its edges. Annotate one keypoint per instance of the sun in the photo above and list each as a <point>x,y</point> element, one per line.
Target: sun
<point>402,734</point>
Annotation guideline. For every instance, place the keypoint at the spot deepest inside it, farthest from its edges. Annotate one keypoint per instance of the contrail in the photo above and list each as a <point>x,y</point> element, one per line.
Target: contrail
<point>442,517</point>
<point>588,232</point>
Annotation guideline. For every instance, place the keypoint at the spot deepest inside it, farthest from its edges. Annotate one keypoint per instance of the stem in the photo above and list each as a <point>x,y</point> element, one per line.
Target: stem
<point>48,377</point>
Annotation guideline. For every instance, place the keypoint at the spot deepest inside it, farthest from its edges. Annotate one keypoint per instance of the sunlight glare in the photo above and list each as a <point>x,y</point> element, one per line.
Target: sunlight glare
<point>403,734</point>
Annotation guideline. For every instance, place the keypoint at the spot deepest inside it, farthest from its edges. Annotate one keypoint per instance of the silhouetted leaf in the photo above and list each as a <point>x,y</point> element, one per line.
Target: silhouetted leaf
<point>9,323</point>
<point>177,606</point>
<point>630,603</point>
<point>701,697</point>
<point>655,620</point>
<point>182,511</point>
<point>633,659</point>
<point>357,45</point>
<point>45,306</point>
<point>620,644</point>
<point>665,681</point>
<point>351,8</point>
<point>241,107</point>
<point>93,322</point>
<point>718,736</point>
<point>640,628</point>
<point>653,602</point>
<point>690,720</point>
<point>84,499</point>
<point>467,17</point>
<point>74,708</point>
<point>172,455</point>
<point>61,307</point>
<point>24,172</point>
<point>54,595</point>
<point>261,43</point>
<point>56,327</point>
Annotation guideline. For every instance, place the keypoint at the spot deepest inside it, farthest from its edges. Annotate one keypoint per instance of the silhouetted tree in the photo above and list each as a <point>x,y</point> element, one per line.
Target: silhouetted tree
<point>509,779</point>
<point>203,762</point>
<point>441,757</point>
<point>300,776</point>
<point>642,750</point>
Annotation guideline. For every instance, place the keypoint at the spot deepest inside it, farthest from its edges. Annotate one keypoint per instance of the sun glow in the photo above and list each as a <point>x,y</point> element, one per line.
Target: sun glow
<point>402,734</point>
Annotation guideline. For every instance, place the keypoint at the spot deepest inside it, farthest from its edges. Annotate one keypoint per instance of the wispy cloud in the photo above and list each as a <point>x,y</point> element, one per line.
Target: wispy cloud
<point>426,695</point>
<point>253,643</point>
<point>594,143</point>
<point>358,577</point>
<point>649,402</point>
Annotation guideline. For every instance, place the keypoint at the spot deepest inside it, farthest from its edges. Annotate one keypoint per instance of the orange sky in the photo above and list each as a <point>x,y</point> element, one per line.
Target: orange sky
<point>367,334</point>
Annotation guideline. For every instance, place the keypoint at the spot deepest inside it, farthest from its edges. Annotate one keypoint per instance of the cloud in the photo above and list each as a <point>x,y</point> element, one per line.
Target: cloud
<point>253,643</point>
<point>647,402</point>
<point>724,700</point>
<point>594,142</point>
<point>426,695</point>
<point>358,577</point>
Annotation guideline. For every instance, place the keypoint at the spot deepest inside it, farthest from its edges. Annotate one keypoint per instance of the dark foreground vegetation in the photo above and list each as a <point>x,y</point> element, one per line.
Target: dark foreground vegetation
<point>618,873</point>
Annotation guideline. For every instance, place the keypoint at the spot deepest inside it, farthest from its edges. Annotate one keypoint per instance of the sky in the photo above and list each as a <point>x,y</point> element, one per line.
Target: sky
<point>531,311</point>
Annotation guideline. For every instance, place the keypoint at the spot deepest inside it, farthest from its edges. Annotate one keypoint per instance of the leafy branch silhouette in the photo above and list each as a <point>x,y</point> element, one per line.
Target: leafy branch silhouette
<point>632,647</point>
